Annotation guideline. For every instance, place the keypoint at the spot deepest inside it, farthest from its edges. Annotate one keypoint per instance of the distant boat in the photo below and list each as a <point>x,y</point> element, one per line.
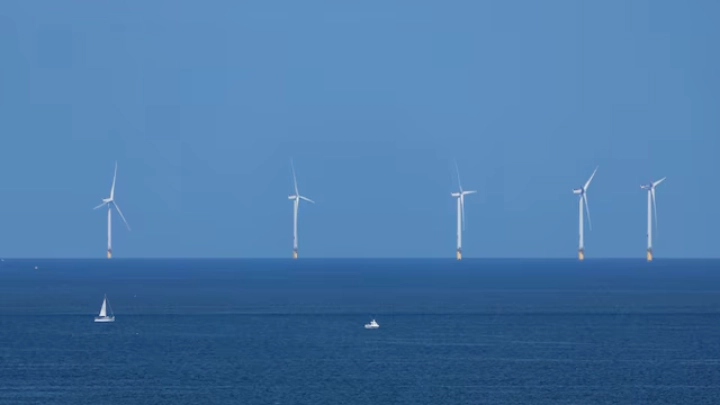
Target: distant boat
<point>372,325</point>
<point>103,316</point>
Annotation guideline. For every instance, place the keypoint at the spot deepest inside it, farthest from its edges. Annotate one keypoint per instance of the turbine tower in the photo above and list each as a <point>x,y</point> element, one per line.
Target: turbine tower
<point>583,198</point>
<point>296,204</point>
<point>110,202</point>
<point>651,207</point>
<point>460,212</point>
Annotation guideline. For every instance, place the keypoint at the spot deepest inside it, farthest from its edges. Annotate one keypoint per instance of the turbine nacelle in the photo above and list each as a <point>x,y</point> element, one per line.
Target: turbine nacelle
<point>652,184</point>
<point>577,191</point>
<point>302,197</point>
<point>456,195</point>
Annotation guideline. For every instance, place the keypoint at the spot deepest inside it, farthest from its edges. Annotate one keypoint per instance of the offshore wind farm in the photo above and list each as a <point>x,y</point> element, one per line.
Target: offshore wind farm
<point>296,197</point>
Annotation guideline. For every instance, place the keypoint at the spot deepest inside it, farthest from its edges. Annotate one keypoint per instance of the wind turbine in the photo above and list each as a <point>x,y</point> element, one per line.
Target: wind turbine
<point>460,212</point>
<point>296,204</point>
<point>583,198</point>
<point>110,202</point>
<point>651,207</point>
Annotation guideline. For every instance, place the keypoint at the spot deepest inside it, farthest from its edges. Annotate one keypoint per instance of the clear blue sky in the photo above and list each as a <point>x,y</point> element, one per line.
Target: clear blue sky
<point>204,103</point>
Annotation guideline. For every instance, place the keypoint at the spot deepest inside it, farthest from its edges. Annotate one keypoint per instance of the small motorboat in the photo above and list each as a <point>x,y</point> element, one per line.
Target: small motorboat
<point>372,325</point>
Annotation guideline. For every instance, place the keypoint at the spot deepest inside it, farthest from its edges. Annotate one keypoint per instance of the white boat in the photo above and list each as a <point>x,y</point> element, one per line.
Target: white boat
<point>103,315</point>
<point>372,325</point>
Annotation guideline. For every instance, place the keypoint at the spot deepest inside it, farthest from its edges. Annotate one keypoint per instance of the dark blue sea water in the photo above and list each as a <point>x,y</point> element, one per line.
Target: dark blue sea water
<point>291,332</point>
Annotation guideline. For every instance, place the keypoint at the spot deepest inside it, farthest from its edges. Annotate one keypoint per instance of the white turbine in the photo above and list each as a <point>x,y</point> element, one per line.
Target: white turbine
<point>652,207</point>
<point>460,212</point>
<point>296,204</point>
<point>584,199</point>
<point>110,202</point>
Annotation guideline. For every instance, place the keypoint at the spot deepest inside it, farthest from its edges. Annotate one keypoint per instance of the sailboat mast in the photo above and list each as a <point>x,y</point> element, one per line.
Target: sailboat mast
<point>108,305</point>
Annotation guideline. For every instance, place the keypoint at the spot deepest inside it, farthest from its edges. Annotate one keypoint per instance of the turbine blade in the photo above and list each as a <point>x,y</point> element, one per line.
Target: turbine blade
<point>307,199</point>
<point>587,209</point>
<point>294,178</point>
<point>652,192</point>
<point>458,175</point>
<point>121,215</point>
<point>101,205</point>
<point>659,181</point>
<point>470,192</point>
<point>112,189</point>
<point>590,179</point>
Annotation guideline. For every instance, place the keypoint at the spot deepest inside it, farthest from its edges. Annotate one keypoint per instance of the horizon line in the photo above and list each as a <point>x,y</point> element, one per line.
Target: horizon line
<point>564,258</point>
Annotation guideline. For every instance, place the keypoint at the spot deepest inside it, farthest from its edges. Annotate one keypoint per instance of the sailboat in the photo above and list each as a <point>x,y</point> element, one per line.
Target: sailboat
<point>103,315</point>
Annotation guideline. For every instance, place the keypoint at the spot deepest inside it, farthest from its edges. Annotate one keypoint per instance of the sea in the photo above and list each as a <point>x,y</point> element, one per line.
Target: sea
<point>235,331</point>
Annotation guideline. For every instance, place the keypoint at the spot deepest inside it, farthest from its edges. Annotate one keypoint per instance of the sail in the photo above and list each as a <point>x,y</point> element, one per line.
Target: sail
<point>103,309</point>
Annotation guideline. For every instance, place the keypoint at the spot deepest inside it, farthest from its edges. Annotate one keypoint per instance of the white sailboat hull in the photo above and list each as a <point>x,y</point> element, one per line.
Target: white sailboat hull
<point>104,319</point>
<point>368,326</point>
